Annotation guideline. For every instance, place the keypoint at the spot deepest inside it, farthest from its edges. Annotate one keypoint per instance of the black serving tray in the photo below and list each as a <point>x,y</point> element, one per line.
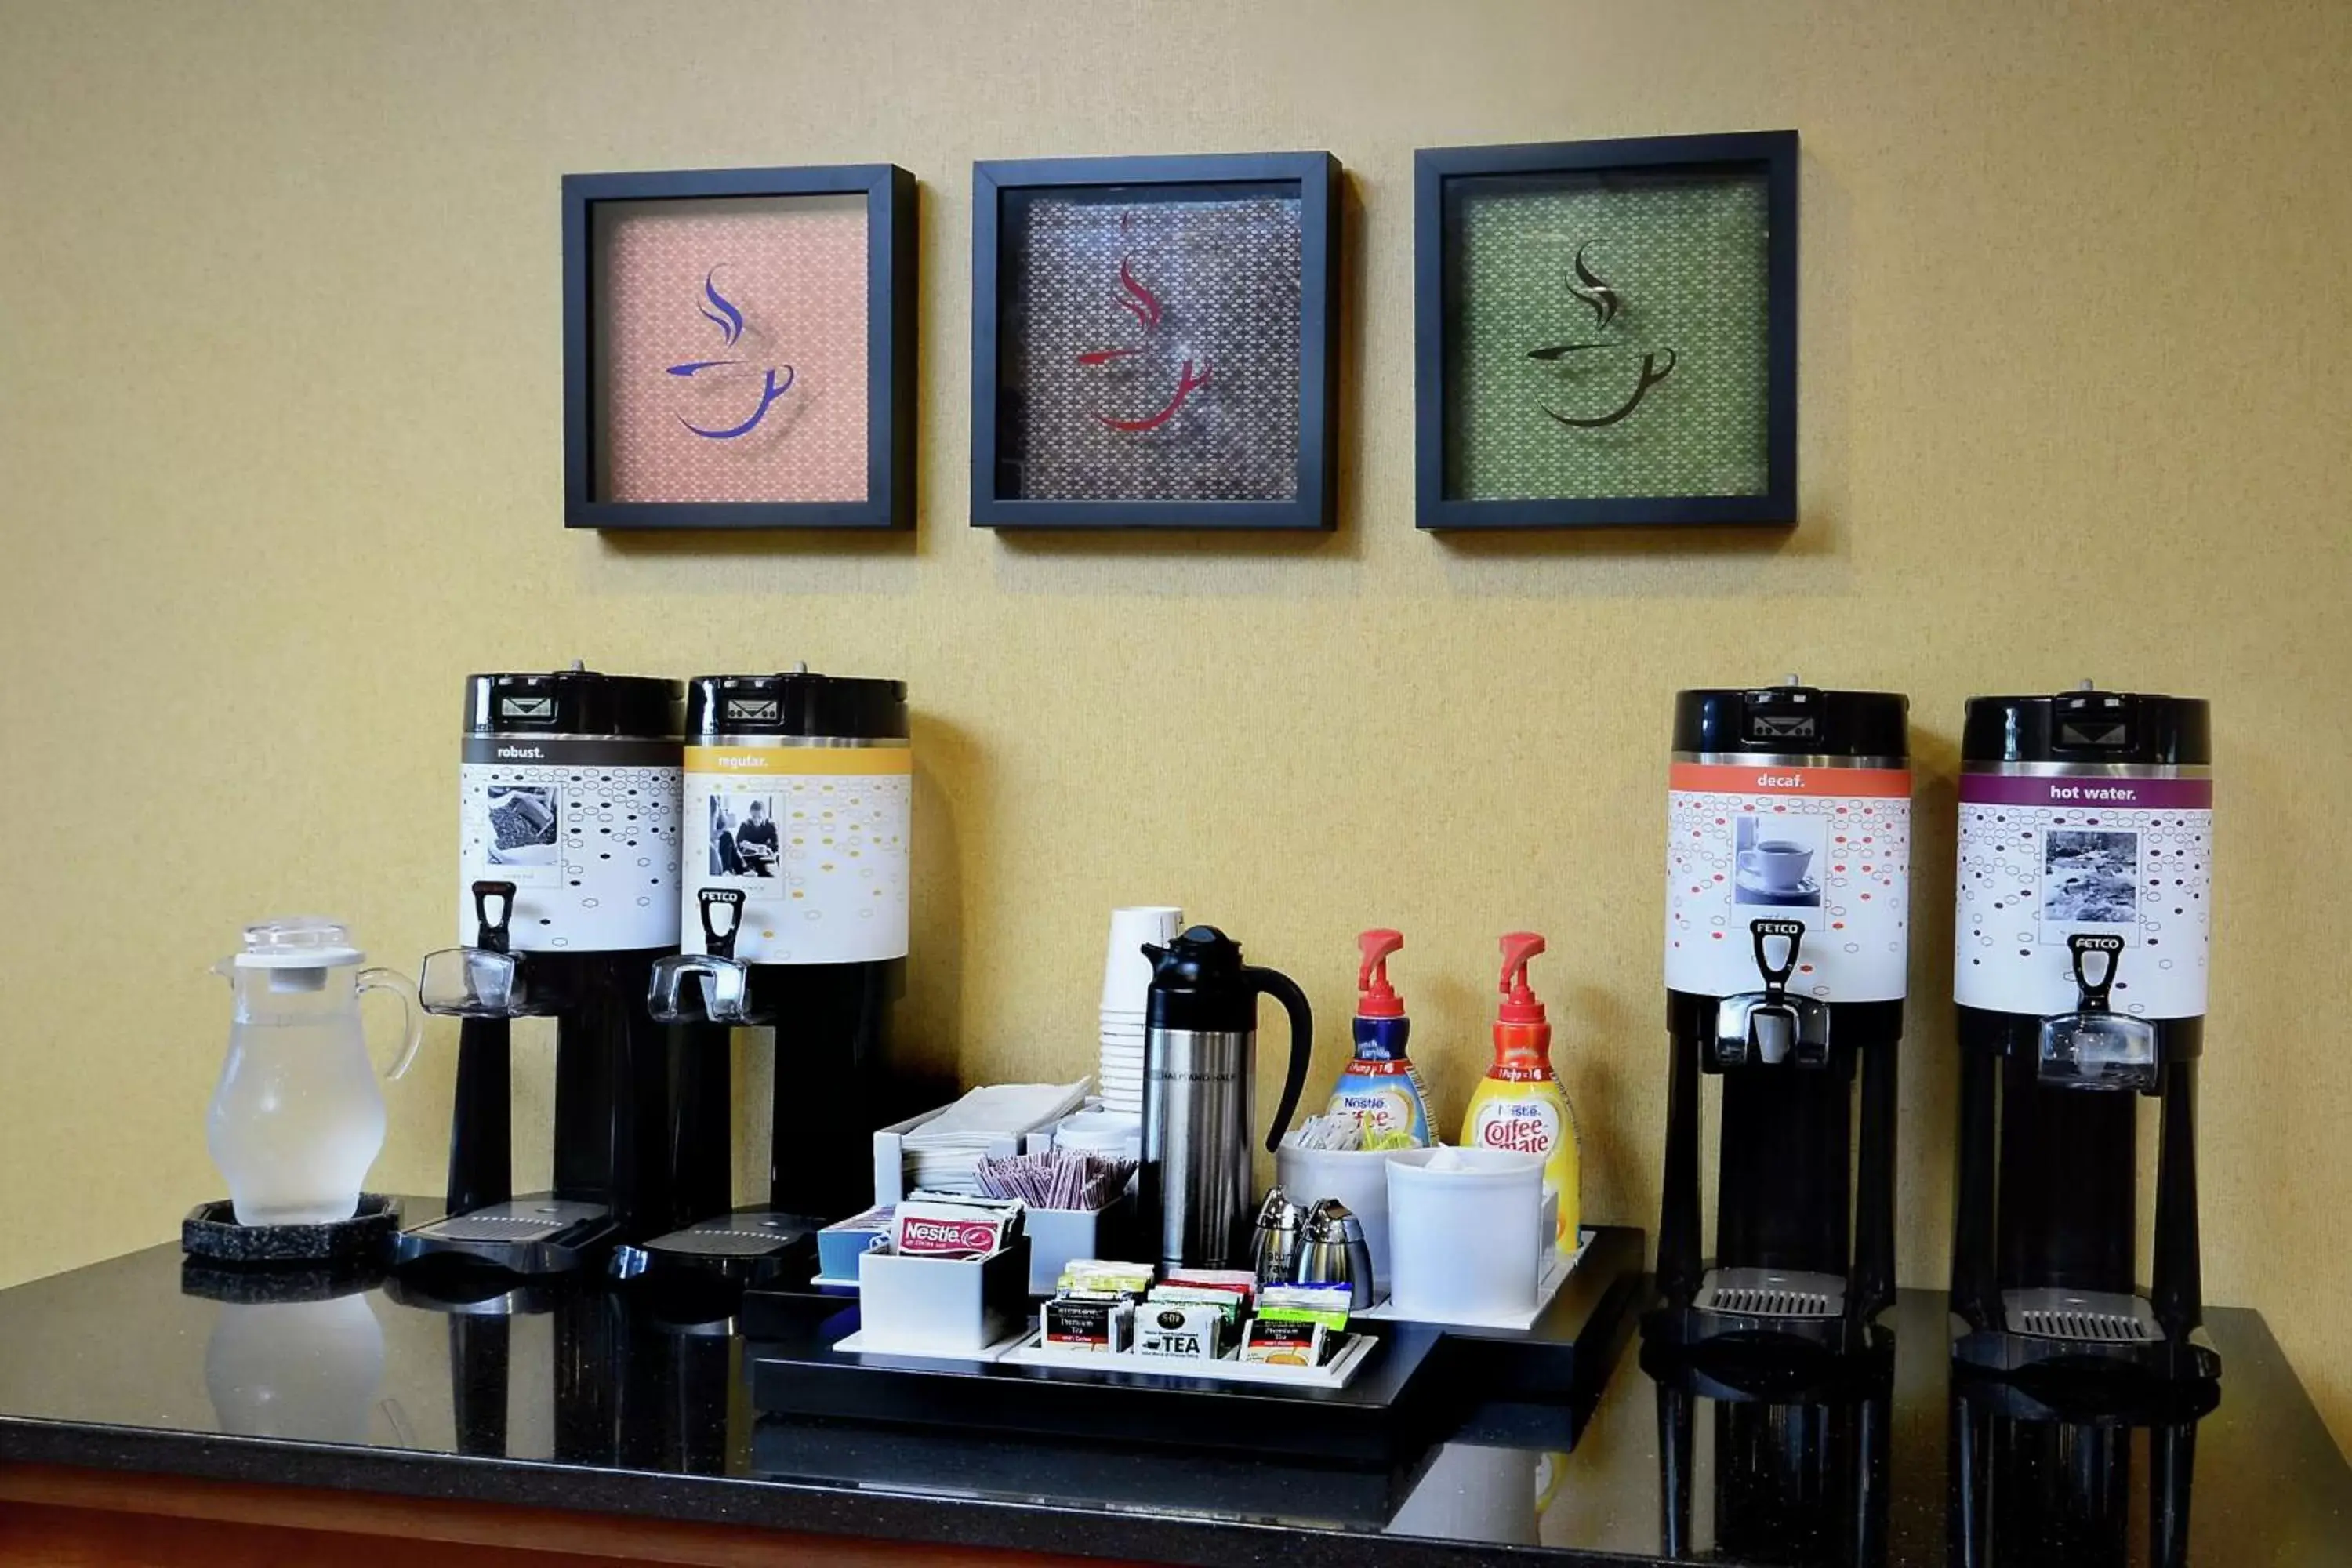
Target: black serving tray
<point>1418,1378</point>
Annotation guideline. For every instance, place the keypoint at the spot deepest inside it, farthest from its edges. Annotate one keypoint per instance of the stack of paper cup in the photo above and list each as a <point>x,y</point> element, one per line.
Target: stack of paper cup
<point>1127,981</point>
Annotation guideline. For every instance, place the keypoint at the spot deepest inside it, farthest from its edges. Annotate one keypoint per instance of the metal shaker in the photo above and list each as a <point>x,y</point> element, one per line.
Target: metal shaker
<point>1332,1252</point>
<point>1281,1228</point>
<point>1200,1074</point>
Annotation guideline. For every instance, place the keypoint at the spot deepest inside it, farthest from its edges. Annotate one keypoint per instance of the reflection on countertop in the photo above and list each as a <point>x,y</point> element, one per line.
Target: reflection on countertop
<point>591,1400</point>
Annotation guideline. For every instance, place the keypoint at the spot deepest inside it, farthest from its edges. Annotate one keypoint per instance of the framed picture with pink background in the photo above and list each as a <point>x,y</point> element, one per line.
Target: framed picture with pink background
<point>739,348</point>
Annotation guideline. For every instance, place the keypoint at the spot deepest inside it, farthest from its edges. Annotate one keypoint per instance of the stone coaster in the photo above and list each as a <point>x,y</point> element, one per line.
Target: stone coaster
<point>211,1231</point>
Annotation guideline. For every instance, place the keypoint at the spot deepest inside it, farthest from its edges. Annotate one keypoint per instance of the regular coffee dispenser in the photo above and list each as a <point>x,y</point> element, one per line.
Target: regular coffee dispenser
<point>793,918</point>
<point>2084,893</point>
<point>1786,939</point>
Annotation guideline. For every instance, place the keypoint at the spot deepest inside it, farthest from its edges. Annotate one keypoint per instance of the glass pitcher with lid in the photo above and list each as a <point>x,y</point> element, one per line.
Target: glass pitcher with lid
<point>297,1119</point>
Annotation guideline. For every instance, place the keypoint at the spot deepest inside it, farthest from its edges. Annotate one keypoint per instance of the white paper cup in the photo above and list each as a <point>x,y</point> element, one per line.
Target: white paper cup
<point>1357,1177</point>
<point>1127,973</point>
<point>1464,1243</point>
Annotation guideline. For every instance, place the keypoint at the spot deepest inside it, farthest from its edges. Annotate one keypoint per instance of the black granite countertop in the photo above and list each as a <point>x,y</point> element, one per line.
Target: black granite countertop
<point>590,1403</point>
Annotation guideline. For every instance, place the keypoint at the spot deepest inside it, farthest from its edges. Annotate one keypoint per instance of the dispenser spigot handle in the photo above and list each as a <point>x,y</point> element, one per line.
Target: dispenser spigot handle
<point>716,942</point>
<point>1776,975</point>
<point>2091,995</point>
<point>1520,1003</point>
<point>490,929</point>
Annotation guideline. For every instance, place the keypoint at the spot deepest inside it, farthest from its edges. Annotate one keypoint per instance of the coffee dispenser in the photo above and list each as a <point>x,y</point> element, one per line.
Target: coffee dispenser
<point>797,791</point>
<point>1200,1092</point>
<point>2085,841</point>
<point>1787,929</point>
<point>567,892</point>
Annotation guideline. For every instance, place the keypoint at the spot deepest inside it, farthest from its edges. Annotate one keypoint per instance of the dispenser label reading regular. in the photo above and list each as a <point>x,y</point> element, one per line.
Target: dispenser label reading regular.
<point>816,838</point>
<point>586,829</point>
<point>2043,859</point>
<point>1827,847</point>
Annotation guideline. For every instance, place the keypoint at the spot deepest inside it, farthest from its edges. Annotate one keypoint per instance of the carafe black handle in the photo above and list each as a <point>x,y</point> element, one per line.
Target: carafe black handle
<point>1282,988</point>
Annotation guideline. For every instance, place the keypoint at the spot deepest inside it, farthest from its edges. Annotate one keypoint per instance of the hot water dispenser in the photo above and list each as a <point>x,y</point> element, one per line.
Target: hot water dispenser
<point>2085,850</point>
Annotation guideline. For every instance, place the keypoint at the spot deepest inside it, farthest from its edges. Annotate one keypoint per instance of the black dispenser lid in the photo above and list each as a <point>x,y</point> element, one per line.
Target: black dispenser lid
<point>796,703</point>
<point>2089,726</point>
<point>1793,720</point>
<point>572,701</point>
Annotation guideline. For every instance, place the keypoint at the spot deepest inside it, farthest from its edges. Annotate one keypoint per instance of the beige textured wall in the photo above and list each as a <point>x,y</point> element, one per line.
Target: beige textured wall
<point>278,463</point>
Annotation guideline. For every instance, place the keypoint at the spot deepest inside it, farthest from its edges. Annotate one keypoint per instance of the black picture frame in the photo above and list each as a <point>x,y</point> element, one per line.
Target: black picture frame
<point>890,326</point>
<point>1314,504</point>
<point>1771,153</point>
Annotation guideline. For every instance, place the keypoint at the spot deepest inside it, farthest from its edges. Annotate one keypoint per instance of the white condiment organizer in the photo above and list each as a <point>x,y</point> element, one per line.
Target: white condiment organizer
<point>951,1307</point>
<point>1337,1372</point>
<point>1057,1236</point>
<point>1556,1267</point>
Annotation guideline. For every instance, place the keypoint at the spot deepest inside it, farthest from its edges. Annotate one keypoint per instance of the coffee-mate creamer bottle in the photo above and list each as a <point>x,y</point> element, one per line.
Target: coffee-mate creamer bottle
<point>1519,1105</point>
<point>1380,1087</point>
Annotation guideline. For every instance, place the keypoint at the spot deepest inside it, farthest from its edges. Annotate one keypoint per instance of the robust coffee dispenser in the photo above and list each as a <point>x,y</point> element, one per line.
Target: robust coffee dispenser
<point>567,890</point>
<point>1788,889</point>
<point>1200,1092</point>
<point>2085,842</point>
<point>798,796</point>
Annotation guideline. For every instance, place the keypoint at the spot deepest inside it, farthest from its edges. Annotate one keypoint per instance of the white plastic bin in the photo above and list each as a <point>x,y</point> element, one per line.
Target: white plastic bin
<point>1464,1243</point>
<point>934,1306</point>
<point>1358,1178</point>
<point>1056,1236</point>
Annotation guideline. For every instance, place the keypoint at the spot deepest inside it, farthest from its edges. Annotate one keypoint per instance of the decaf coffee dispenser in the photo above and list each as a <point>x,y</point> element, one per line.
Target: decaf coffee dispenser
<point>1788,930</point>
<point>797,804</point>
<point>567,892</point>
<point>2085,841</point>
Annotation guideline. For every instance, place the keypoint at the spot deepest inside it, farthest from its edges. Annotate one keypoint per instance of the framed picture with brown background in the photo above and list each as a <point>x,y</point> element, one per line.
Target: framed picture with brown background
<point>1154,341</point>
<point>1605,332</point>
<point>739,348</point>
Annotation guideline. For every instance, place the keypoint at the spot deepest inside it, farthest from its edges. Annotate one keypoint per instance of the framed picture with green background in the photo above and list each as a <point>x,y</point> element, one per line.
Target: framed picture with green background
<point>1605,332</point>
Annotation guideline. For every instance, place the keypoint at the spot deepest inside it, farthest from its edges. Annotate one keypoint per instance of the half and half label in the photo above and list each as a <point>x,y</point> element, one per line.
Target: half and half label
<point>816,838</point>
<point>2043,856</point>
<point>1828,847</point>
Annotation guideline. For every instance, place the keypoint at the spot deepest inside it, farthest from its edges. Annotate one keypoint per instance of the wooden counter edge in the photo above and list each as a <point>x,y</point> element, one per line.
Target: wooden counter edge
<point>620,1537</point>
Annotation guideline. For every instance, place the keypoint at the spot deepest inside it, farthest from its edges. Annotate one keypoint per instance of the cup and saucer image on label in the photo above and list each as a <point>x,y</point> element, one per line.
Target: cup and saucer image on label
<point>1776,861</point>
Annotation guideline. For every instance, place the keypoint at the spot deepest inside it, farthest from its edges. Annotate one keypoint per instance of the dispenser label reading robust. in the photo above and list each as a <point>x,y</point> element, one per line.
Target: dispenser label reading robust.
<point>2043,858</point>
<point>586,829</point>
<point>816,838</point>
<point>1828,847</point>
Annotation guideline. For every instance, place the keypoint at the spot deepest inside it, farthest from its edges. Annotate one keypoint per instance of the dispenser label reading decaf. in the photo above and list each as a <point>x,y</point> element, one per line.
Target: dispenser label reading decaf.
<point>1520,1126</point>
<point>2045,857</point>
<point>1828,849</point>
<point>816,838</point>
<point>586,829</point>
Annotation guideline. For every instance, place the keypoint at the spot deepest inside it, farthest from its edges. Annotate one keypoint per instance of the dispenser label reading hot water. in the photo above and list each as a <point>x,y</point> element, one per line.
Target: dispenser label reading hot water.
<point>1829,847</point>
<point>586,829</point>
<point>816,838</point>
<point>2043,858</point>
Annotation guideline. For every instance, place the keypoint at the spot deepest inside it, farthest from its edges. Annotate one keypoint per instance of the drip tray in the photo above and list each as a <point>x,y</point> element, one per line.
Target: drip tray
<point>536,1235</point>
<point>2095,1317</point>
<point>1771,1293</point>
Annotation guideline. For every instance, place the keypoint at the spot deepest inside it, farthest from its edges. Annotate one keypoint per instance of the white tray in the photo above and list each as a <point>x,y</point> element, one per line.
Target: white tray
<point>860,1343</point>
<point>1555,1274</point>
<point>1337,1372</point>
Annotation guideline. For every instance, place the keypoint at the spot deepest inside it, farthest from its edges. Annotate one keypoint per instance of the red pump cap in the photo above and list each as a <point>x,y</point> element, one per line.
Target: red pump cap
<point>1520,1003</point>
<point>1375,997</point>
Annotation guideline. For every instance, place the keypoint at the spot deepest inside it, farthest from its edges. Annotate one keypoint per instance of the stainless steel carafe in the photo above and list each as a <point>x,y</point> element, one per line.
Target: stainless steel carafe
<point>1200,1051</point>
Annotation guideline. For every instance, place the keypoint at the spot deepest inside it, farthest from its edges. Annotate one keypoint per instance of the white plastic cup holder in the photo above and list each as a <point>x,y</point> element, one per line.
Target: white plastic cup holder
<point>1465,1243</point>
<point>1357,1177</point>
